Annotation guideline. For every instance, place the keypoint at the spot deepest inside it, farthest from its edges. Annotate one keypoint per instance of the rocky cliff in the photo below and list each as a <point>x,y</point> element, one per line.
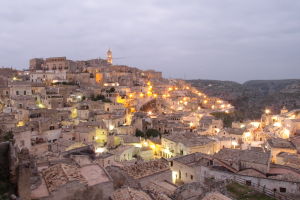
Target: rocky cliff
<point>252,97</point>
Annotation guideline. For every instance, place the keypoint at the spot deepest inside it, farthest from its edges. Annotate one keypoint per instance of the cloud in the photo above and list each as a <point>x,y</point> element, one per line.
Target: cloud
<point>209,39</point>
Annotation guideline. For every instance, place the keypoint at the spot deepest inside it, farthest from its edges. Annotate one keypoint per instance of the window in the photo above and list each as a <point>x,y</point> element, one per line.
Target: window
<point>248,183</point>
<point>282,189</point>
<point>192,177</point>
<point>17,92</point>
<point>51,127</point>
<point>171,163</point>
<point>24,92</point>
<point>6,92</point>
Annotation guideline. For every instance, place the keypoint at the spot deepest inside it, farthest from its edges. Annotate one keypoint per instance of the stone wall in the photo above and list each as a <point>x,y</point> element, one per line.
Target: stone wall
<point>78,191</point>
<point>264,168</point>
<point>160,176</point>
<point>24,173</point>
<point>13,164</point>
<point>183,173</point>
<point>271,184</point>
<point>4,148</point>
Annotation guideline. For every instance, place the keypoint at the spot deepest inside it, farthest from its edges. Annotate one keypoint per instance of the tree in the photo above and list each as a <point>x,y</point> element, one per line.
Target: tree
<point>8,136</point>
<point>139,133</point>
<point>227,118</point>
<point>99,97</point>
<point>152,133</point>
<point>111,90</point>
<point>106,100</point>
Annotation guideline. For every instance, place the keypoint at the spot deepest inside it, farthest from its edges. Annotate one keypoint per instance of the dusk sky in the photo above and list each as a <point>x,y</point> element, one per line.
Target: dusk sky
<point>235,40</point>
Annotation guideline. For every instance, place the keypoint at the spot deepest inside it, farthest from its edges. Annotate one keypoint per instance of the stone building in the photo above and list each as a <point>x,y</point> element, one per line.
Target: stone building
<point>19,88</point>
<point>36,64</point>
<point>64,181</point>
<point>56,64</point>
<point>200,167</point>
<point>22,137</point>
<point>244,159</point>
<point>279,145</point>
<point>48,76</point>
<point>187,143</point>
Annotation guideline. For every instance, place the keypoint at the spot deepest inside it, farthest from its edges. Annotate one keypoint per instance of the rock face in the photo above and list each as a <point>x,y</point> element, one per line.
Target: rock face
<point>252,97</point>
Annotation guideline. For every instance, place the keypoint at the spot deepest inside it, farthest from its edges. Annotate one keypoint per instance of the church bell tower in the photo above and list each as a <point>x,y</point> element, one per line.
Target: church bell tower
<point>109,56</point>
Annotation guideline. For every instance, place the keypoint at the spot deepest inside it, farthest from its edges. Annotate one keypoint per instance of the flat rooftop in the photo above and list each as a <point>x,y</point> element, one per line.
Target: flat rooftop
<point>280,143</point>
<point>94,174</point>
<point>40,191</point>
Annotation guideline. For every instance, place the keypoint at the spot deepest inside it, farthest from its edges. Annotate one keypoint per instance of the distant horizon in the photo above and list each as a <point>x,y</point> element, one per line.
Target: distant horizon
<point>288,79</point>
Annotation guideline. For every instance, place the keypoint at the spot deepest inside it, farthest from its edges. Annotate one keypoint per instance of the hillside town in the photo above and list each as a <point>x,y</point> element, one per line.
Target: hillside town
<point>94,130</point>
